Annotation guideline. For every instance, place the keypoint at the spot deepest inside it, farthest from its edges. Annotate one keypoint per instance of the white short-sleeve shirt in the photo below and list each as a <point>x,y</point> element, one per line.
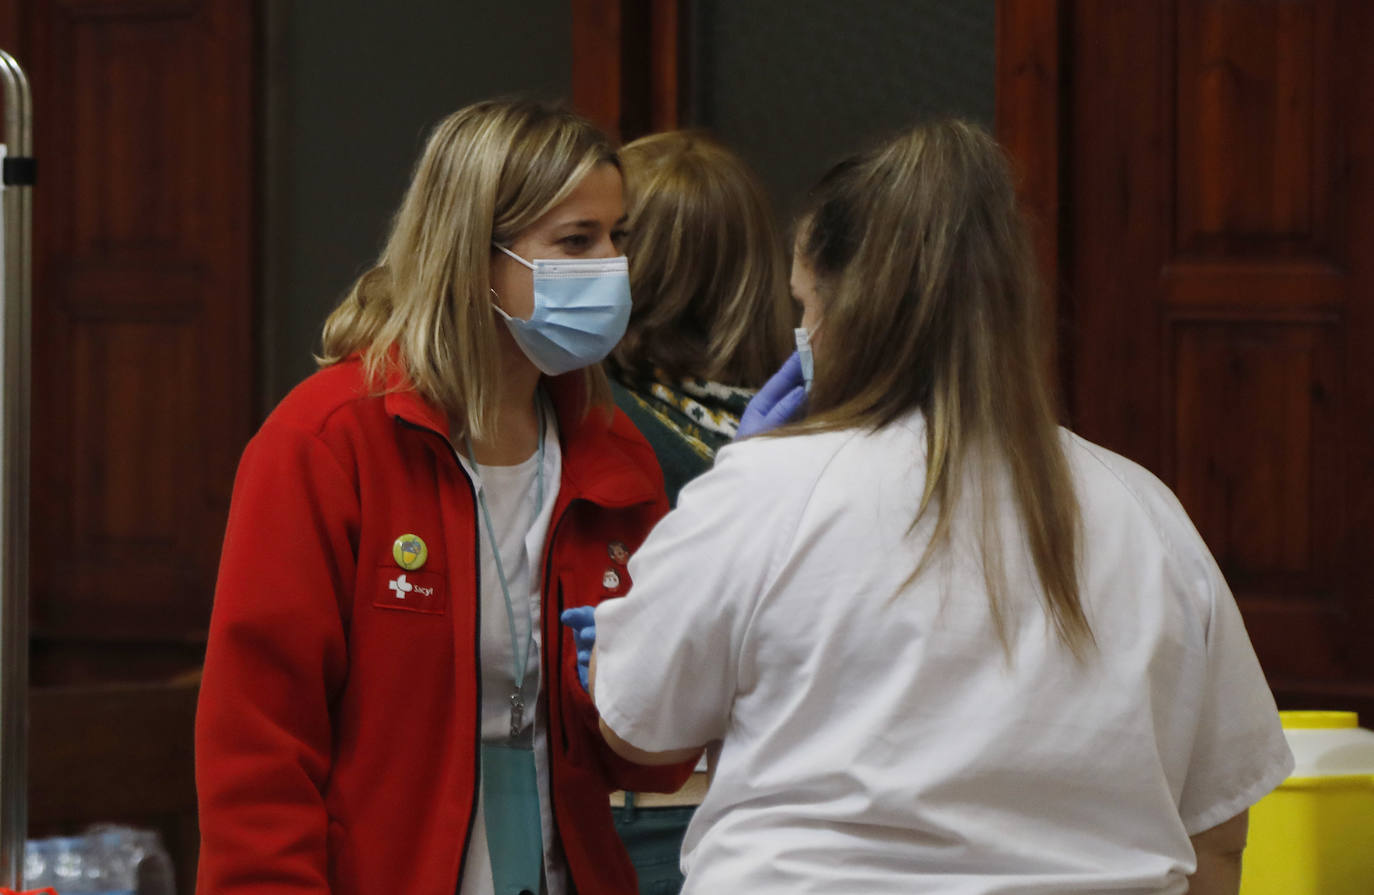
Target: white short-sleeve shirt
<point>876,737</point>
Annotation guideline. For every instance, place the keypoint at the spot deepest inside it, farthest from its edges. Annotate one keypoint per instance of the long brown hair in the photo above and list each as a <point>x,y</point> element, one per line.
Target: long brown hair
<point>487,173</point>
<point>931,302</point>
<point>707,267</point>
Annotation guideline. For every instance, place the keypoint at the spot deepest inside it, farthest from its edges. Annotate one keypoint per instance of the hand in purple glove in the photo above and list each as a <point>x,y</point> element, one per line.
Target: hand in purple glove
<point>582,621</point>
<point>777,402</point>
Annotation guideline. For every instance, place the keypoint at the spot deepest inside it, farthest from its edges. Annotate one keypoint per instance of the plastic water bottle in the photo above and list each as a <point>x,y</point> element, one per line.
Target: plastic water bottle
<point>105,860</point>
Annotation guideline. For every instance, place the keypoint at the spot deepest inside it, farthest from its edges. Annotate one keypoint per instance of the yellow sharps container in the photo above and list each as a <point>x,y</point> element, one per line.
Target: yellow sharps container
<point>1314,835</point>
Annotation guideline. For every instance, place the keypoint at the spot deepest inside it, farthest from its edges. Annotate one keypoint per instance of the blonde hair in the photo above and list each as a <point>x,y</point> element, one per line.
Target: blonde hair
<point>707,267</point>
<point>927,278</point>
<point>487,173</point>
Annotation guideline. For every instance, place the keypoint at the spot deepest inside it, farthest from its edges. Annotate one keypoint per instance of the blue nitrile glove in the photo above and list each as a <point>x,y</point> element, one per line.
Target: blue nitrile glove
<point>777,402</point>
<point>582,621</point>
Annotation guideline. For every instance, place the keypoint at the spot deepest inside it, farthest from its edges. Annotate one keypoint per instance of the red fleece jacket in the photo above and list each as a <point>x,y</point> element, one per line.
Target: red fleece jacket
<point>336,738</point>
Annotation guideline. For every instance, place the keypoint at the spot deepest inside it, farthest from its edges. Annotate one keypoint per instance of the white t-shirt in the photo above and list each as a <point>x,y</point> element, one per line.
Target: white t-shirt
<point>877,739</point>
<point>521,529</point>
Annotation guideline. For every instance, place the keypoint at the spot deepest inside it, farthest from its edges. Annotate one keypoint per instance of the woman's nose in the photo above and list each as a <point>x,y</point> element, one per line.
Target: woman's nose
<point>606,247</point>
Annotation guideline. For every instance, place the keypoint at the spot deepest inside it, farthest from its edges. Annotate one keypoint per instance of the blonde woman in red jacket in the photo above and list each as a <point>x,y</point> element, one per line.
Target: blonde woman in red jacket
<point>389,702</point>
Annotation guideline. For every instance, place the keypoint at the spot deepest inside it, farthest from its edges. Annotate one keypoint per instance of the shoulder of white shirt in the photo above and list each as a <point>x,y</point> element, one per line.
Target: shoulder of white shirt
<point>1127,487</point>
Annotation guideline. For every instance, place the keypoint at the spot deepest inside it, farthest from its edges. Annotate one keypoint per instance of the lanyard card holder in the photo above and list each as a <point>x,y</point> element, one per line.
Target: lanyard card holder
<point>510,799</point>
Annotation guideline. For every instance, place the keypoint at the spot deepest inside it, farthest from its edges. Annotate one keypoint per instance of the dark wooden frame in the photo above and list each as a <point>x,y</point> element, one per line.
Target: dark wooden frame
<point>629,64</point>
<point>1031,120</point>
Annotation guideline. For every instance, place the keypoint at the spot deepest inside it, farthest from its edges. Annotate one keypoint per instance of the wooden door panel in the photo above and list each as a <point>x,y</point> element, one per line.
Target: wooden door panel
<point>133,498</point>
<point>1117,230</point>
<point>1262,487</point>
<point>149,59</point>
<point>143,314</point>
<point>1253,138</point>
<point>1299,288</point>
<point>1220,199</point>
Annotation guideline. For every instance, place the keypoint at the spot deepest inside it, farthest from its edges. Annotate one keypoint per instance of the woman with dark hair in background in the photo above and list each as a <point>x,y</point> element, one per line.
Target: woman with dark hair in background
<point>712,317</point>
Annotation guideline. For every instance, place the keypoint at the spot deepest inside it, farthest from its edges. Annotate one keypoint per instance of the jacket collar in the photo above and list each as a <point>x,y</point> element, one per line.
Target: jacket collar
<point>596,465</point>
<point>404,403</point>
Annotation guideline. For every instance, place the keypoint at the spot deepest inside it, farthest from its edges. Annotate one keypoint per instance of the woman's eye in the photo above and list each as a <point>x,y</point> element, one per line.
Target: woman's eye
<point>576,241</point>
<point>618,237</point>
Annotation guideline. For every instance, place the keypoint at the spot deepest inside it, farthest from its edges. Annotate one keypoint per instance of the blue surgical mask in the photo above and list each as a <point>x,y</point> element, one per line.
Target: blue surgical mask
<point>808,362</point>
<point>581,309</point>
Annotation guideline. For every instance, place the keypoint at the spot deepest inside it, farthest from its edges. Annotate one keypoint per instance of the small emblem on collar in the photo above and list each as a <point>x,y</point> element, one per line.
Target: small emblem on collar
<point>617,552</point>
<point>410,552</point>
<point>610,580</point>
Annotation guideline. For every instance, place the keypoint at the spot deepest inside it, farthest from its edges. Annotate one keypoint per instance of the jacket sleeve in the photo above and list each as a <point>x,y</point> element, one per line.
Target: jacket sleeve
<point>626,775</point>
<point>618,772</point>
<point>675,653</point>
<point>276,659</point>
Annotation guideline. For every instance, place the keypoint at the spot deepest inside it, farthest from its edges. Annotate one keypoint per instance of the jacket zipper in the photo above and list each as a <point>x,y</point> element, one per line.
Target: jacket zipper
<point>556,653</point>
<point>476,649</point>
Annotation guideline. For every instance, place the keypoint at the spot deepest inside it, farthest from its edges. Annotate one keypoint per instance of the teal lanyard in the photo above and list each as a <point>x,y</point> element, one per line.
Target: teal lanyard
<point>519,663</point>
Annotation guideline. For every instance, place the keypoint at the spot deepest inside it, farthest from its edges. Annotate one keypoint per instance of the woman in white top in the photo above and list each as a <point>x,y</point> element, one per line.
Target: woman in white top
<point>941,644</point>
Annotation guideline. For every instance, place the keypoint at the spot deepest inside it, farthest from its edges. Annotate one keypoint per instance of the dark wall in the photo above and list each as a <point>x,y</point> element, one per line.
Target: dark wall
<point>351,89</point>
<point>794,85</point>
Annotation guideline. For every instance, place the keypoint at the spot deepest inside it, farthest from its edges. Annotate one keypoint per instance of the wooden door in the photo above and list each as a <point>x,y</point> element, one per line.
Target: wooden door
<point>144,368</point>
<point>1209,165</point>
<point>142,327</point>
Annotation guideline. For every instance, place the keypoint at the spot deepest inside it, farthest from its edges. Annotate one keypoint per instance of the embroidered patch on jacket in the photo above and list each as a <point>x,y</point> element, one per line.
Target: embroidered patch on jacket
<point>410,591</point>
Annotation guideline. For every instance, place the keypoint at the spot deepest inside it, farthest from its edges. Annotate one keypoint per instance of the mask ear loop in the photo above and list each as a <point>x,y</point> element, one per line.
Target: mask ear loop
<point>501,248</point>
<point>497,305</point>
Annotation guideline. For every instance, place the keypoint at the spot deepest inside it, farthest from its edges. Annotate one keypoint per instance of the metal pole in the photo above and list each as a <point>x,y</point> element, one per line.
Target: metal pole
<point>18,171</point>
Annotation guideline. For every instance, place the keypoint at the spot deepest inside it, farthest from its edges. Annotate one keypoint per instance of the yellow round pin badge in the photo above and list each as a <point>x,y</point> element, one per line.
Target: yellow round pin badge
<point>410,552</point>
